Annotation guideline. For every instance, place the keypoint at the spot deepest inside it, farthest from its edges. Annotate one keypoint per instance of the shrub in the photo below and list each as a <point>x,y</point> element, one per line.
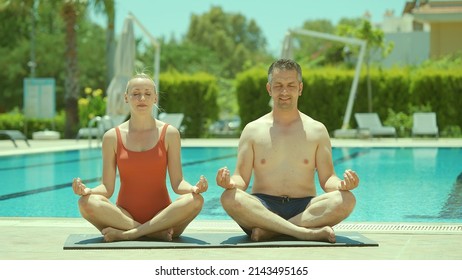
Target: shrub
<point>92,104</point>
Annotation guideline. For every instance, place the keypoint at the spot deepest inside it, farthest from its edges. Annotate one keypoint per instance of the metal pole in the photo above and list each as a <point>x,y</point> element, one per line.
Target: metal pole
<point>156,45</point>
<point>354,86</point>
<point>156,78</point>
<point>32,64</point>
<point>327,36</point>
<point>287,46</point>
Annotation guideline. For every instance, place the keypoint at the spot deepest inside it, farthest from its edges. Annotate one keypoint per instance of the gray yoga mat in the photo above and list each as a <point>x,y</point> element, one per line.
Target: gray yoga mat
<point>211,240</point>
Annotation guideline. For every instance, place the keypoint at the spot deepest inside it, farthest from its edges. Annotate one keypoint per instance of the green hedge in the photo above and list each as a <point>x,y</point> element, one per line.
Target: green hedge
<point>194,95</point>
<point>252,97</point>
<point>326,91</point>
<point>442,90</point>
<point>325,95</point>
<point>17,121</point>
<point>397,93</point>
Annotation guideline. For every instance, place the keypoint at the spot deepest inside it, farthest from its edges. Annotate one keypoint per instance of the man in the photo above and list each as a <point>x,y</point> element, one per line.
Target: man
<point>284,149</point>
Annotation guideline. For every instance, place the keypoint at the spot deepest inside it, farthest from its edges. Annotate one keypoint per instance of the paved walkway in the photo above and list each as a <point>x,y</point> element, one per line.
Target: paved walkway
<point>43,239</point>
<point>40,146</point>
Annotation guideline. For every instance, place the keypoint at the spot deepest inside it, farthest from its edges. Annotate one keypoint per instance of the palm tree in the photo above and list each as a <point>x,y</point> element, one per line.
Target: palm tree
<point>107,7</point>
<point>70,10</point>
<point>69,13</point>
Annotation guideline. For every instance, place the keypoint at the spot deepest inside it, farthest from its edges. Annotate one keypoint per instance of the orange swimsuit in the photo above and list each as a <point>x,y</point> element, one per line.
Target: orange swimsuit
<point>143,192</point>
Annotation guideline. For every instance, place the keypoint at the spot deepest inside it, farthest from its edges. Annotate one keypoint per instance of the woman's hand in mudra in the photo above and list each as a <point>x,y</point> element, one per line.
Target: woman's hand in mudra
<point>201,186</point>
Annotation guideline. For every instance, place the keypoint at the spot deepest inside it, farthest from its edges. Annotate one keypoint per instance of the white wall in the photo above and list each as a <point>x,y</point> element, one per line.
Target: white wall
<point>411,48</point>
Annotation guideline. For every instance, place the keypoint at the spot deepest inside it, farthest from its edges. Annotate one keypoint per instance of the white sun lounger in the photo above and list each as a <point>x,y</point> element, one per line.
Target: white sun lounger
<point>96,128</point>
<point>174,119</point>
<point>14,135</point>
<point>372,123</point>
<point>424,124</point>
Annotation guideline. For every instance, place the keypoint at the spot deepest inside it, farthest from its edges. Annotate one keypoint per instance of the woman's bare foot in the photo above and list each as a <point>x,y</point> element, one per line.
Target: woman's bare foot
<point>112,234</point>
<point>164,235</point>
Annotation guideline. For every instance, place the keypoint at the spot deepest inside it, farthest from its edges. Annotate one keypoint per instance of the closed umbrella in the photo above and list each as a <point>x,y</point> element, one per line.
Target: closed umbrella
<point>124,64</point>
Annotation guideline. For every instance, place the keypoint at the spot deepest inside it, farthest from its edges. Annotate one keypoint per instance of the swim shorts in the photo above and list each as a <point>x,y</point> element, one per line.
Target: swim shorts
<point>283,206</point>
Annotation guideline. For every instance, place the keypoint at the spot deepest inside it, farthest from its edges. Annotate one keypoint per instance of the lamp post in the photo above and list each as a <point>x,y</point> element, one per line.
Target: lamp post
<point>31,63</point>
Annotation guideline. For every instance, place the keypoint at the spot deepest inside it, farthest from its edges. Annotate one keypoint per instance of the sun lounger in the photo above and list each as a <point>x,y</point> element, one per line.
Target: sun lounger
<point>424,124</point>
<point>14,135</point>
<point>174,119</point>
<point>372,123</point>
<point>96,128</point>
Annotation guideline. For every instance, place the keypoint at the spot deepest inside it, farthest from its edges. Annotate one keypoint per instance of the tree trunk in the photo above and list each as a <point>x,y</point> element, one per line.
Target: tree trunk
<point>71,85</point>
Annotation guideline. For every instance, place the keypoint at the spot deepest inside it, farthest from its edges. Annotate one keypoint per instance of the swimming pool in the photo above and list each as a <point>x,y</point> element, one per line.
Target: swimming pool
<point>397,184</point>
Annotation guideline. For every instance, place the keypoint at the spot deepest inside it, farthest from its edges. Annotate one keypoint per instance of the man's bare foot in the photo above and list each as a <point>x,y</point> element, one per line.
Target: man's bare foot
<point>316,234</point>
<point>164,235</point>
<point>320,234</point>
<point>259,234</point>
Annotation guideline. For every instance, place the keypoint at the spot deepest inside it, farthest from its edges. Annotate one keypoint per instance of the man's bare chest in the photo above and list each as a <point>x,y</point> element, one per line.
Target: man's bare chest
<point>284,153</point>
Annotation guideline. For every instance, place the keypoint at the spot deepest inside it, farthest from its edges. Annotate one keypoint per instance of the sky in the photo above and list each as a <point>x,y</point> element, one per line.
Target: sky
<point>164,18</point>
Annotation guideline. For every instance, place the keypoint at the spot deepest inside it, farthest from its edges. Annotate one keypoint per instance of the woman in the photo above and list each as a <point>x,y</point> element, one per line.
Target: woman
<point>142,149</point>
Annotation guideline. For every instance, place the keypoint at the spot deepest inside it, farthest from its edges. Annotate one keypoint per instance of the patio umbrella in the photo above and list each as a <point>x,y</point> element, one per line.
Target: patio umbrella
<point>124,64</point>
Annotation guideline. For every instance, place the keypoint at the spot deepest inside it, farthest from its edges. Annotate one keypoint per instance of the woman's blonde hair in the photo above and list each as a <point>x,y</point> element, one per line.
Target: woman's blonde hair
<point>140,76</point>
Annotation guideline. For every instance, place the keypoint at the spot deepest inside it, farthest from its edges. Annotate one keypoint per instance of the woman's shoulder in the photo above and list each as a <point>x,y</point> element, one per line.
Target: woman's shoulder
<point>110,139</point>
<point>169,128</point>
<point>171,132</point>
<point>111,133</point>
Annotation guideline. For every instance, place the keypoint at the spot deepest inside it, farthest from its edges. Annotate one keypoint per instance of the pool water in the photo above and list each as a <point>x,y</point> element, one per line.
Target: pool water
<point>397,184</point>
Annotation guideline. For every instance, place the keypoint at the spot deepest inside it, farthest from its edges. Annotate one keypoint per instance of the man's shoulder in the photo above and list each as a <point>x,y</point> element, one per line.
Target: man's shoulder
<point>258,122</point>
<point>252,129</point>
<point>316,127</point>
<point>310,121</point>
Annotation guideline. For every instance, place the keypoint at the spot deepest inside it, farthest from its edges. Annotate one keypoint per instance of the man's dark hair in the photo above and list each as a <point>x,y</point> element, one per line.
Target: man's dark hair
<point>285,64</point>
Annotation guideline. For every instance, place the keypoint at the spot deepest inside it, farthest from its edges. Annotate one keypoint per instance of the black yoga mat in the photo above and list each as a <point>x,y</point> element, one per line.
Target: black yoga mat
<point>211,240</point>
